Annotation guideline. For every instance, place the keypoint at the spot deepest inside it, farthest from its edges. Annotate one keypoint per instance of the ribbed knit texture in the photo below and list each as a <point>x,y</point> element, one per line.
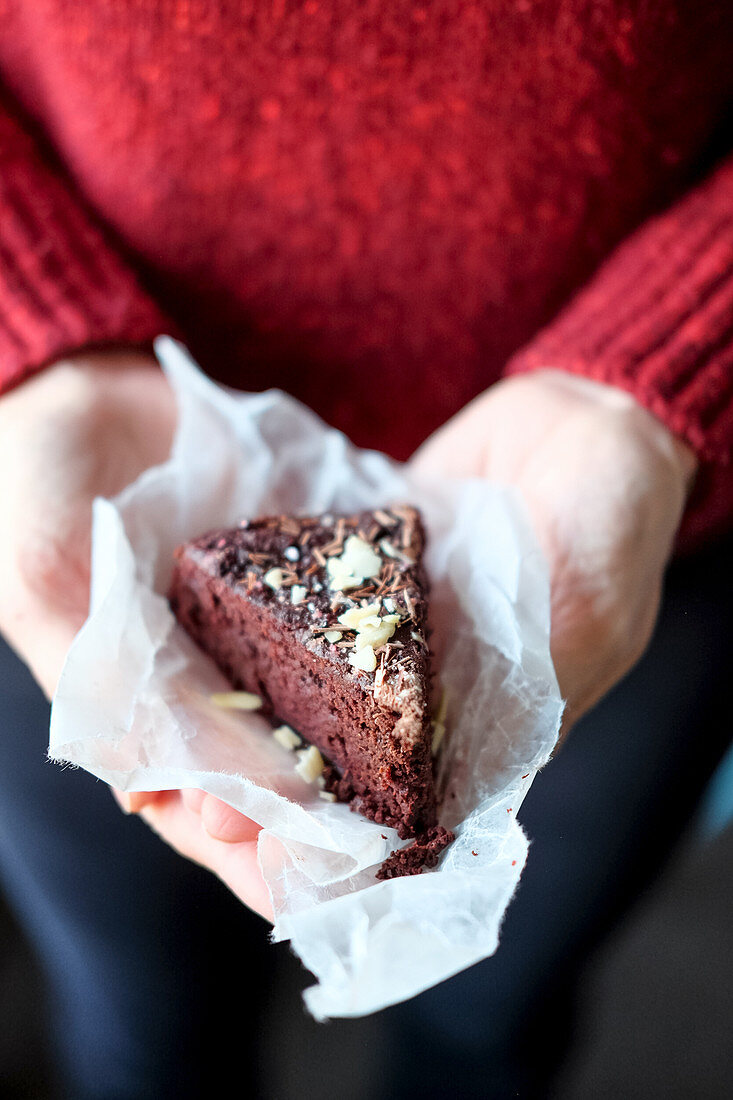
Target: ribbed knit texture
<point>657,320</point>
<point>62,287</point>
<point>376,205</point>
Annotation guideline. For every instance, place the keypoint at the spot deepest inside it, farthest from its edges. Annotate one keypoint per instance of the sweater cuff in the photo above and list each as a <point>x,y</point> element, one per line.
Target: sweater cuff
<point>62,285</point>
<point>657,321</point>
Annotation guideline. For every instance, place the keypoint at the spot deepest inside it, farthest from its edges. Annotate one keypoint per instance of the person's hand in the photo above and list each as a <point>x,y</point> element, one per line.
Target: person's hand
<point>605,484</point>
<point>83,428</point>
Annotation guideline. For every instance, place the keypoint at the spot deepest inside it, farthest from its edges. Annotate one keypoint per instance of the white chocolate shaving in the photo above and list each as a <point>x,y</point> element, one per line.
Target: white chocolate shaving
<point>333,636</point>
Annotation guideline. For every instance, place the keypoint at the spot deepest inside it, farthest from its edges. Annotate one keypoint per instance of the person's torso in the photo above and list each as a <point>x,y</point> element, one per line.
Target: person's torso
<point>369,204</point>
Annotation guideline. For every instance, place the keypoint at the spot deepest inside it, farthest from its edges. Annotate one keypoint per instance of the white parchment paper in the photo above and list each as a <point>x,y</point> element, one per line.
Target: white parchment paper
<point>133,708</point>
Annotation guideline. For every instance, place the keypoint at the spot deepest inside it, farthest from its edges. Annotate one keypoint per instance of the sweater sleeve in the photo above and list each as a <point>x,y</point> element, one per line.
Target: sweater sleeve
<point>62,284</point>
<point>657,320</point>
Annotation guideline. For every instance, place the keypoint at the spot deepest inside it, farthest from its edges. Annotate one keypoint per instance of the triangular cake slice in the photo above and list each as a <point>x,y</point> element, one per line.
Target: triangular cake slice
<point>325,619</point>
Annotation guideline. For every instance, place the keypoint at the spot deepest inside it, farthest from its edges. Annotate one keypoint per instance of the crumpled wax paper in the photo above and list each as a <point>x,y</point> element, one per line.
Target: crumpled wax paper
<point>133,708</point>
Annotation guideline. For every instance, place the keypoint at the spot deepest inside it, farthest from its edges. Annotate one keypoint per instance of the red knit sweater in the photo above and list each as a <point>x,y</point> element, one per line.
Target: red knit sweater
<point>379,205</point>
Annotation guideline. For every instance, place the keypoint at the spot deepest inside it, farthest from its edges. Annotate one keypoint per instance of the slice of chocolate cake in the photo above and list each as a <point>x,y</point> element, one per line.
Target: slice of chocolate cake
<point>325,620</point>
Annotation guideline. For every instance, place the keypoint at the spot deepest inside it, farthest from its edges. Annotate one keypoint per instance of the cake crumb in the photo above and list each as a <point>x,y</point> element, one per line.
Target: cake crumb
<point>423,852</point>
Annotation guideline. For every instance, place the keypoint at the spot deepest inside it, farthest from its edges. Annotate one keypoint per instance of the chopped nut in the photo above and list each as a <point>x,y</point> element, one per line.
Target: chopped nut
<point>298,593</point>
<point>442,707</point>
<point>287,737</point>
<point>438,735</point>
<point>351,618</point>
<point>310,764</point>
<point>392,552</point>
<point>374,636</point>
<point>365,659</point>
<point>236,700</point>
<point>273,578</point>
<point>439,723</point>
<point>358,563</point>
<point>368,622</point>
<point>327,796</point>
<point>333,636</point>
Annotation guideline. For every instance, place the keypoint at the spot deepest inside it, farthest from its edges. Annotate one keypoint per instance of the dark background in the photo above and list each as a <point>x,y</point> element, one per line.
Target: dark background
<point>654,1017</point>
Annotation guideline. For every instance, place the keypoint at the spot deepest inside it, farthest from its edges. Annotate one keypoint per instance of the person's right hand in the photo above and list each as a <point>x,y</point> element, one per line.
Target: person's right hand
<point>79,429</point>
<point>84,428</point>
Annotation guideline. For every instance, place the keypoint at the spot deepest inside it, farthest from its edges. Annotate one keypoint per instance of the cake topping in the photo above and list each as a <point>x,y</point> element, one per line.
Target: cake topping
<point>287,737</point>
<point>439,725</point>
<point>236,700</point>
<point>310,764</point>
<point>358,563</point>
<point>351,618</point>
<point>364,659</point>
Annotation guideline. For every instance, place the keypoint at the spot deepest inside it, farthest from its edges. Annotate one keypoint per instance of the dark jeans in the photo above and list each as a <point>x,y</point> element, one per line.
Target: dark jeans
<point>143,951</point>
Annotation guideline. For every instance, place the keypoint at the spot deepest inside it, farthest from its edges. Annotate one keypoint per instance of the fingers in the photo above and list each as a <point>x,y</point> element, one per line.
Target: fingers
<point>234,862</point>
<point>218,819</point>
<point>224,823</point>
<point>192,799</point>
<point>132,802</point>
